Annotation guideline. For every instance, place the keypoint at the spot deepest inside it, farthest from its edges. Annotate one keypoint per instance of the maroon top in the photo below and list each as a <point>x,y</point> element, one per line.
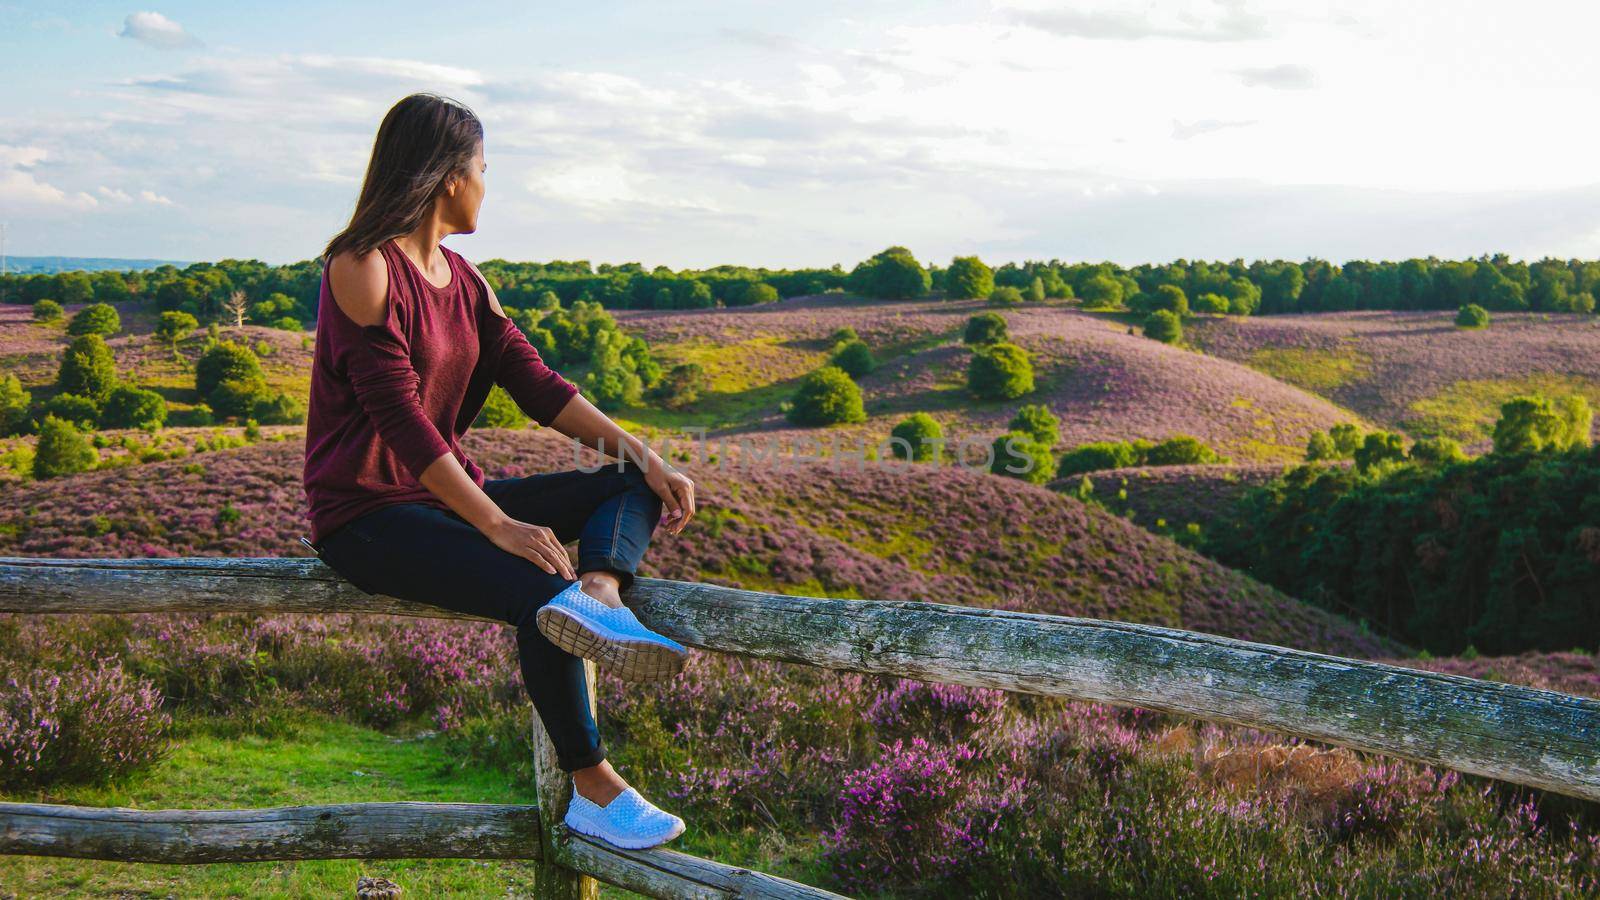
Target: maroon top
<point>387,400</point>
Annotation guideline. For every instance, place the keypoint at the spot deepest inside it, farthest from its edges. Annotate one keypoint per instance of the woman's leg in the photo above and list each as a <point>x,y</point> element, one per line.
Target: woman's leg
<point>423,553</point>
<point>610,513</point>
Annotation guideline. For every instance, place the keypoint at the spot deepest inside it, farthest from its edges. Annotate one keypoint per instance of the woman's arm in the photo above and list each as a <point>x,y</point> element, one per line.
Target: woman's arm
<point>554,402</point>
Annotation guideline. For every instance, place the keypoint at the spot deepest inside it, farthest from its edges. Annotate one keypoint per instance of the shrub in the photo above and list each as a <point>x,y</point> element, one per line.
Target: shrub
<point>1321,447</point>
<point>919,814</point>
<point>1346,438</point>
<point>999,372</point>
<point>90,723</point>
<point>855,358</point>
<point>81,411</point>
<point>225,361</point>
<point>237,397</point>
<point>47,311</point>
<point>1163,325</point>
<point>1472,316</point>
<point>132,407</point>
<point>174,326</point>
<point>14,403</point>
<point>842,334</point>
<point>1005,296</point>
<point>985,328</point>
<point>1180,450</point>
<point>827,396</point>
<point>681,386</point>
<point>1096,456</point>
<point>1378,448</point>
<point>917,437</point>
<point>1211,303</point>
<point>62,449</point>
<point>1101,292</point>
<point>96,318</point>
<point>1018,455</point>
<point>1531,424</point>
<point>1437,451</point>
<point>893,274</point>
<point>278,409</point>
<point>968,278</point>
<point>88,368</point>
<point>1035,291</point>
<point>1169,297</point>
<point>753,293</point>
<point>1036,420</point>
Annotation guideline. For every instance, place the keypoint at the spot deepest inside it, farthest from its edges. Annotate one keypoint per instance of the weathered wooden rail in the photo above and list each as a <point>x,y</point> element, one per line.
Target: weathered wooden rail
<point>1522,735</point>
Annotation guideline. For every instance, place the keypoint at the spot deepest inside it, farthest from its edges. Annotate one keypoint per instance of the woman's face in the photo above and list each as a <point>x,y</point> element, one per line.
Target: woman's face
<point>464,195</point>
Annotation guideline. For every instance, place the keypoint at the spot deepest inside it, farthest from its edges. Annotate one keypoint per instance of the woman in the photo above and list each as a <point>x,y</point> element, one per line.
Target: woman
<point>410,338</point>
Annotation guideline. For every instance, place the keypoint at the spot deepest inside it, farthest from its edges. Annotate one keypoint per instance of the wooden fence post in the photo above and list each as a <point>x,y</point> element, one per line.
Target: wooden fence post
<point>554,787</point>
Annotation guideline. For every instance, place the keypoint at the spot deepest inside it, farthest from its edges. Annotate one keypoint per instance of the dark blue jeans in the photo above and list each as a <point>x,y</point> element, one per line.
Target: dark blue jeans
<point>431,555</point>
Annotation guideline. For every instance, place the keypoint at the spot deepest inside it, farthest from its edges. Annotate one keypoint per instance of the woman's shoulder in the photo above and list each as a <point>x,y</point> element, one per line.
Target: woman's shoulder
<point>359,284</point>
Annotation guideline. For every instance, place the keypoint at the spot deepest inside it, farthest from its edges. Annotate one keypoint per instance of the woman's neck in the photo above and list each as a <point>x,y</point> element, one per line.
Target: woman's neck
<point>422,243</point>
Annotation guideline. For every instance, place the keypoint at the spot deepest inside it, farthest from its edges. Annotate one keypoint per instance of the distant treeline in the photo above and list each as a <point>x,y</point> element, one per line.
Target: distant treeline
<point>286,295</point>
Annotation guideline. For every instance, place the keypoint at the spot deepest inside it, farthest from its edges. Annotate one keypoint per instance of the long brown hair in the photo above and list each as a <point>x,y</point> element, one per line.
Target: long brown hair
<point>424,139</point>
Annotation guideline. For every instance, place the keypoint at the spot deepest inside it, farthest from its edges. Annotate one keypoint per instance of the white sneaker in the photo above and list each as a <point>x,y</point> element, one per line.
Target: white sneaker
<point>610,635</point>
<point>628,821</point>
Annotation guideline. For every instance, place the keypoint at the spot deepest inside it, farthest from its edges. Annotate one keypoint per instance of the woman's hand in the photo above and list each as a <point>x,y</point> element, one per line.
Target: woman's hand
<point>532,542</point>
<point>675,490</point>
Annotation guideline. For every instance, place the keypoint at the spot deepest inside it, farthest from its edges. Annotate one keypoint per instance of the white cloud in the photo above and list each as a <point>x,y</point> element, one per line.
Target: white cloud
<point>115,194</point>
<point>23,193</point>
<point>1222,20</point>
<point>155,30</point>
<point>1287,76</point>
<point>153,197</point>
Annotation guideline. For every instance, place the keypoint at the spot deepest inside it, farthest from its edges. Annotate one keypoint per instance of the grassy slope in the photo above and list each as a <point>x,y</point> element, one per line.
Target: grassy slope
<point>1100,381</point>
<point>1415,371</point>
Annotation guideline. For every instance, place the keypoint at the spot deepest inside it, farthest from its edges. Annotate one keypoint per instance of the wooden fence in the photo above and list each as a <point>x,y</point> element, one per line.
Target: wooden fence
<point>1522,735</point>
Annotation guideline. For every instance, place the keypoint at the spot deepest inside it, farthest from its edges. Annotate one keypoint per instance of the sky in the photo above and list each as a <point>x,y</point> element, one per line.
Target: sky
<point>787,135</point>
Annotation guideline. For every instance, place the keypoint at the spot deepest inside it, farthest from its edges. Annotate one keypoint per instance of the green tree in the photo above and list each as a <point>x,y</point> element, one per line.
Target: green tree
<point>46,310</point>
<point>918,437</point>
<point>1321,447</point>
<point>81,411</point>
<point>88,368</point>
<point>132,407</point>
<point>1211,303</point>
<point>1532,424</point>
<point>96,318</point>
<point>1101,292</point>
<point>14,403</point>
<point>1378,448</point>
<point>1097,456</point>
<point>681,386</point>
<point>500,411</point>
<point>1018,455</point>
<point>893,274</point>
<point>827,396</point>
<point>1472,316</point>
<point>174,326</point>
<point>278,409</point>
<point>968,278</point>
<point>1346,439</point>
<point>999,372</point>
<point>225,361</point>
<point>753,293</point>
<point>1005,296</point>
<point>1035,292</point>
<point>1181,450</point>
<point>985,328</point>
<point>1036,421</point>
<point>1163,325</point>
<point>855,357</point>
<point>1437,451</point>
<point>62,450</point>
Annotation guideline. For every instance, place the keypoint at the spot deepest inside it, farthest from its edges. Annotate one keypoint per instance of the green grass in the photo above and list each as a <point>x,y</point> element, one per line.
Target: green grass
<point>1467,410</point>
<point>305,758</point>
<point>1318,371</point>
